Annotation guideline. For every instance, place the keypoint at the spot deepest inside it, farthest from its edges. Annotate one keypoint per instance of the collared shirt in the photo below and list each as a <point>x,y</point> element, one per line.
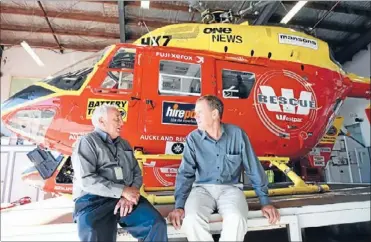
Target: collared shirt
<point>209,161</point>
<point>97,160</point>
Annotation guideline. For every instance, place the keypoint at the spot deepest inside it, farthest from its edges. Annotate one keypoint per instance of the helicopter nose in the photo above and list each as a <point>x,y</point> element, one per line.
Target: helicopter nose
<point>29,121</point>
<point>30,93</point>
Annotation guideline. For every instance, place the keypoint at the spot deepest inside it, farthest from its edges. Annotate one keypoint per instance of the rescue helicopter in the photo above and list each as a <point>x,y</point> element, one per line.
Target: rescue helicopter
<point>280,85</point>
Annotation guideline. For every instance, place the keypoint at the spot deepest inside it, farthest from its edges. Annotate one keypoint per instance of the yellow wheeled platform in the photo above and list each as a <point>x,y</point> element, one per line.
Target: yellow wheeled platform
<point>299,187</point>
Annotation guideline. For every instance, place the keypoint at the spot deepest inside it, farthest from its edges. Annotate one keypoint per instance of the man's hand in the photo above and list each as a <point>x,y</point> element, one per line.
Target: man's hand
<point>175,217</point>
<point>125,207</point>
<point>131,194</point>
<point>271,213</point>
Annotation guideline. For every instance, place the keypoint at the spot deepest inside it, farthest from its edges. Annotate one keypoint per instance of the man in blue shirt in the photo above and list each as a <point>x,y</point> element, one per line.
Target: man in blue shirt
<point>207,178</point>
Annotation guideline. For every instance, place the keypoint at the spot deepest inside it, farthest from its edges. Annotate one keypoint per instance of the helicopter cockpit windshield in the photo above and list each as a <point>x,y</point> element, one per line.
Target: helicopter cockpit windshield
<point>73,77</point>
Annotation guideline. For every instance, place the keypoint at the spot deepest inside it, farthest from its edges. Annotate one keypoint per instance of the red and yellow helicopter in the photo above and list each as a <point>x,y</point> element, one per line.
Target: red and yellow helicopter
<point>282,86</point>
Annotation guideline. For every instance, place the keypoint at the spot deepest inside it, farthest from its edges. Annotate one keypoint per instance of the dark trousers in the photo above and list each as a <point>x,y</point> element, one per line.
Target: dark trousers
<point>96,221</point>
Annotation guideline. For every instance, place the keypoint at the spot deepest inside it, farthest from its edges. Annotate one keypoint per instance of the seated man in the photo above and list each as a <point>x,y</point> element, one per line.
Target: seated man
<point>107,179</point>
<point>208,175</point>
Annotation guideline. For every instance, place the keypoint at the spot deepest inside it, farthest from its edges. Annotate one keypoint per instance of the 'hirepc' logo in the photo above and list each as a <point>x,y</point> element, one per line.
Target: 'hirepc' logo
<point>178,113</point>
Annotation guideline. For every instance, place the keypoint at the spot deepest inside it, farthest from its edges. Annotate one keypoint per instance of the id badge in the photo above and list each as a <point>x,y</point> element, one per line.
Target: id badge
<point>118,173</point>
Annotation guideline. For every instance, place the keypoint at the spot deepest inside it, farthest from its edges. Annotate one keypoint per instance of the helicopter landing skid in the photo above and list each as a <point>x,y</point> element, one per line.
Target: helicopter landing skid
<point>299,186</point>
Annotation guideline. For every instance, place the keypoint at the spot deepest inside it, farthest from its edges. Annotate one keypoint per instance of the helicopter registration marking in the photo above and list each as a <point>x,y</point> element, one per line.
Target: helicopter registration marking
<point>156,40</point>
<point>122,106</point>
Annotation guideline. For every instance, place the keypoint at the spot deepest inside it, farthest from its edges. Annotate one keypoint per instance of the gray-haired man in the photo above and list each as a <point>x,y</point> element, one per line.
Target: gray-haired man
<point>107,179</point>
<point>208,175</point>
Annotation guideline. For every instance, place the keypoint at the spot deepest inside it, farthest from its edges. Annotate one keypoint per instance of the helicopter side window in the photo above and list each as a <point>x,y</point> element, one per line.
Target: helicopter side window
<point>120,74</point>
<point>237,84</point>
<point>118,80</point>
<point>179,78</point>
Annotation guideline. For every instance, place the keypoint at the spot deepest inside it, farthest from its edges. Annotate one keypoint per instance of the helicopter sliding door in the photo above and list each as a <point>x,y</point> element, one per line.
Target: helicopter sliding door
<point>235,83</point>
<point>171,84</point>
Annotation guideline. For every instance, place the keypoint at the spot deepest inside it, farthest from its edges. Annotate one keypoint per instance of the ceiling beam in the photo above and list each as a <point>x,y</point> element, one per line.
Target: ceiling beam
<point>323,25</point>
<point>347,52</point>
<point>318,5</point>
<point>153,5</point>
<point>50,27</point>
<point>161,6</point>
<point>83,32</point>
<point>267,13</point>
<point>337,43</point>
<point>84,16</point>
<point>121,8</point>
<point>48,45</point>
<point>175,7</point>
<point>67,32</point>
<point>72,15</point>
<point>326,14</point>
<point>339,9</point>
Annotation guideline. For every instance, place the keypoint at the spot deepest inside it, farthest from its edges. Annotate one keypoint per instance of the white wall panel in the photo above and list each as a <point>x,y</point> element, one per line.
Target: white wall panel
<point>4,165</point>
<point>14,161</point>
<point>19,188</point>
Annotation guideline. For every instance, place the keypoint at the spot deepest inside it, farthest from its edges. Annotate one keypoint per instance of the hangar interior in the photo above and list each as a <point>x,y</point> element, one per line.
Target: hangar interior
<point>41,40</point>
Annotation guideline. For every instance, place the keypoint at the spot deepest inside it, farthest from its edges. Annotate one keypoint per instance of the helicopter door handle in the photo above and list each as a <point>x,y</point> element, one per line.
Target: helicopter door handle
<point>134,98</point>
<point>150,102</point>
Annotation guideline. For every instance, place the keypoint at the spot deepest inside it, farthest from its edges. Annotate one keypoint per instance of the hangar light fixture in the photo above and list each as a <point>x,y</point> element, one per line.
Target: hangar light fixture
<point>293,11</point>
<point>32,53</point>
<point>144,4</point>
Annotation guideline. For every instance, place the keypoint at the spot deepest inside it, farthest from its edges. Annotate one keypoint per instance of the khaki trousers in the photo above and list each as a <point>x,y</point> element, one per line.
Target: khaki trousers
<point>228,200</point>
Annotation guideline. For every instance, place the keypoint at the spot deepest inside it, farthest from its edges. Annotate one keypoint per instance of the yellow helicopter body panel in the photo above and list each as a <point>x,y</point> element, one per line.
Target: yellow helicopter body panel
<point>283,44</point>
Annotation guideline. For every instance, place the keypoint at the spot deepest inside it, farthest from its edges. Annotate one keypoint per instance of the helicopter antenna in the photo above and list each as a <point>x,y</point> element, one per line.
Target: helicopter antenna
<point>149,32</point>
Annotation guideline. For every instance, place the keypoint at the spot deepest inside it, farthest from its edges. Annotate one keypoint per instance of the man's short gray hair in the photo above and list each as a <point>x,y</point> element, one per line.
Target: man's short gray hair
<point>101,111</point>
<point>214,103</point>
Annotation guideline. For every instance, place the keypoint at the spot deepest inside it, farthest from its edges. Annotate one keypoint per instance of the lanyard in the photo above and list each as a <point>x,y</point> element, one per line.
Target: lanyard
<point>114,155</point>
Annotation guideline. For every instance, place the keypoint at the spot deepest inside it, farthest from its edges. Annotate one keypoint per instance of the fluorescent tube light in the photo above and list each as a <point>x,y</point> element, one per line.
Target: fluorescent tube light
<point>144,4</point>
<point>32,53</point>
<point>293,11</point>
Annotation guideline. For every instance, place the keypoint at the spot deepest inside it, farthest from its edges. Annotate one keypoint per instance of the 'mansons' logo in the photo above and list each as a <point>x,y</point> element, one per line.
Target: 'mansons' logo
<point>298,41</point>
<point>285,111</point>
